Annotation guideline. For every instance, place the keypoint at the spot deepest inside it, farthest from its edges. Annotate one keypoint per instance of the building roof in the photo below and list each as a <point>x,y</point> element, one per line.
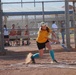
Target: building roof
<point>70,7</point>
<point>72,0</point>
<point>34,13</point>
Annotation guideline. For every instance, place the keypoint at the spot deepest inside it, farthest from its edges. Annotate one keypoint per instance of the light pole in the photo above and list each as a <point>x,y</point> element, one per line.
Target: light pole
<point>1,33</point>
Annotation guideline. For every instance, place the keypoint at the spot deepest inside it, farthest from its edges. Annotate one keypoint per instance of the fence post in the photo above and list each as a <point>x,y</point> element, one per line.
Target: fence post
<point>43,11</point>
<point>67,23</point>
<point>74,23</point>
<point>1,33</point>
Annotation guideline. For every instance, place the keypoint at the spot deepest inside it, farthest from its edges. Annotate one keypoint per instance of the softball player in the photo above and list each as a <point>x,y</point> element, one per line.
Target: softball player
<point>42,41</point>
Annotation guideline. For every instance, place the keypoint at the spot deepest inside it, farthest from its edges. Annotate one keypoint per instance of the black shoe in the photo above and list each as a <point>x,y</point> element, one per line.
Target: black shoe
<point>55,61</point>
<point>33,60</point>
<point>63,42</point>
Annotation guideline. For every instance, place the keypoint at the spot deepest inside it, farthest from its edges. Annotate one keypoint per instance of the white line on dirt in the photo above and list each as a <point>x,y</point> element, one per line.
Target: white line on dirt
<point>42,65</point>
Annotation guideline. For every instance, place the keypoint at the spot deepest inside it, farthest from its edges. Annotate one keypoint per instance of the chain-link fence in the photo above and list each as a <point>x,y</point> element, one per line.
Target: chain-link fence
<point>32,13</point>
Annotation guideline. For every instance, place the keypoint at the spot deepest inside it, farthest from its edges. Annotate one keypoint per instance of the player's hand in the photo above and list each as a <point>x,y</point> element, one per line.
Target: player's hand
<point>57,41</point>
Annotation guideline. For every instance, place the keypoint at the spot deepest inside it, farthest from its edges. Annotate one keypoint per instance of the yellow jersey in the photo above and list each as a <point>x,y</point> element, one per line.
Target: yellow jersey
<point>43,35</point>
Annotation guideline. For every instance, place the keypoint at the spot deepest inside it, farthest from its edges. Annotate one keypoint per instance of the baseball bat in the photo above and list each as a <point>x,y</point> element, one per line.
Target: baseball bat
<point>62,45</point>
<point>65,48</point>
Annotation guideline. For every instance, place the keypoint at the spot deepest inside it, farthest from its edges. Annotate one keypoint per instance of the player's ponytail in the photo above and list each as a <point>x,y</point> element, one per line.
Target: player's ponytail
<point>47,29</point>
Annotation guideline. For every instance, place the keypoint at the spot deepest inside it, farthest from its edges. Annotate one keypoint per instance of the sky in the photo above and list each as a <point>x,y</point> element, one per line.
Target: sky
<point>30,7</point>
<point>31,0</point>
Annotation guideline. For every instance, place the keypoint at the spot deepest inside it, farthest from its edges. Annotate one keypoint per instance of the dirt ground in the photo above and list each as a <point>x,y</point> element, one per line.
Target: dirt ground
<point>15,55</point>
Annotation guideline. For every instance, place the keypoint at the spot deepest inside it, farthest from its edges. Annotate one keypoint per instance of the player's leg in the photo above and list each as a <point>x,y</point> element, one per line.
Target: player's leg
<point>51,51</point>
<point>63,39</point>
<point>41,52</point>
<point>37,55</point>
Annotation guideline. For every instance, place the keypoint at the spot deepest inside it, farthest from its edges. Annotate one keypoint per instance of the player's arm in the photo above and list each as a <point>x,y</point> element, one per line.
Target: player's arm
<point>51,32</point>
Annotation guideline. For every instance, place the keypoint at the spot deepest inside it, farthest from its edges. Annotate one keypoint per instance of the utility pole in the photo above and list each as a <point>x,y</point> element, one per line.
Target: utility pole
<point>67,23</point>
<point>2,51</point>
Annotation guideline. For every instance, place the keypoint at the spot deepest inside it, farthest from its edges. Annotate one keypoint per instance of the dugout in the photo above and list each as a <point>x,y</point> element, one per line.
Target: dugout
<point>42,13</point>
